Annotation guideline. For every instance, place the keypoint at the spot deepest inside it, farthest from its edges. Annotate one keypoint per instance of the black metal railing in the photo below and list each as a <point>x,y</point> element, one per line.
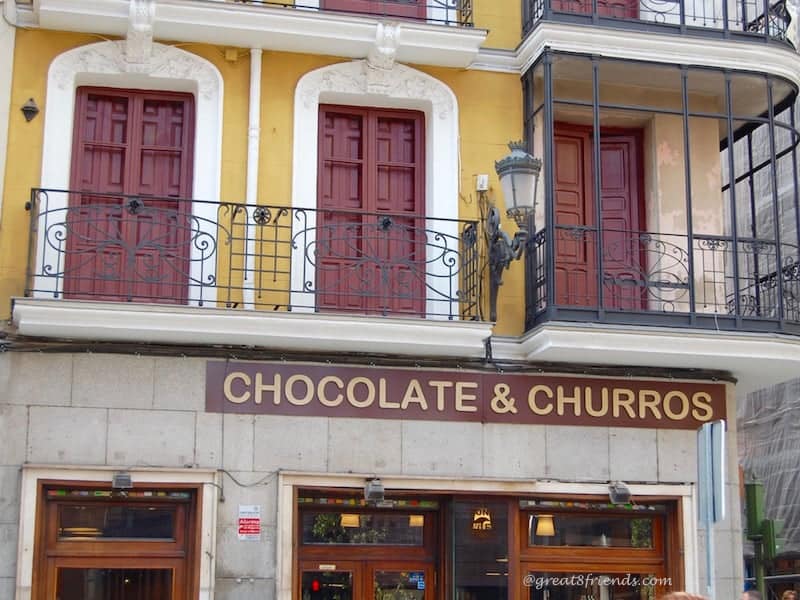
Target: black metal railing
<point>658,278</point>
<point>764,19</point>
<point>443,12</point>
<point>167,250</point>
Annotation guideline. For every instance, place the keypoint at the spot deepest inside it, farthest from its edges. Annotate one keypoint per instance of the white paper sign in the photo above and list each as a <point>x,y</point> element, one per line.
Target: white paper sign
<point>250,522</point>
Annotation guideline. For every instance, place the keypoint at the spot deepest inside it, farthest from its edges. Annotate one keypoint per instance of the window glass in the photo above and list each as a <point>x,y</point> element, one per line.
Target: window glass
<point>90,521</point>
<point>549,529</point>
<point>480,540</point>
<point>378,529</point>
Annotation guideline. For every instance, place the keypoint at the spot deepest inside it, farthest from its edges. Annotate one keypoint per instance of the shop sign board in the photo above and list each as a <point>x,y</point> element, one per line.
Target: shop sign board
<point>459,395</point>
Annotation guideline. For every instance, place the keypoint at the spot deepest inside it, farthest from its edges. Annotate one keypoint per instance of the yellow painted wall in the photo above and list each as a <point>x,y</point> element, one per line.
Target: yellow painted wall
<point>503,19</point>
<point>35,49</point>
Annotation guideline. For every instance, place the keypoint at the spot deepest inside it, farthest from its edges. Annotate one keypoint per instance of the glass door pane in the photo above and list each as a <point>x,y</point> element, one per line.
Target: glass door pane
<point>592,586</point>
<point>326,585</point>
<point>113,584</point>
<point>399,585</point>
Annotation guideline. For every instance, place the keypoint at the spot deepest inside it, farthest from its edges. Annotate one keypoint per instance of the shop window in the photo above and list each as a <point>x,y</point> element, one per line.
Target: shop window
<point>480,550</point>
<point>104,544</point>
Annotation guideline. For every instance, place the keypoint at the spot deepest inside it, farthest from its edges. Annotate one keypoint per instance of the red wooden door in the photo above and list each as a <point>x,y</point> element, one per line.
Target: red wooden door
<point>414,9</point>
<point>132,143</point>
<point>576,232</point>
<point>617,9</point>
<point>370,238</point>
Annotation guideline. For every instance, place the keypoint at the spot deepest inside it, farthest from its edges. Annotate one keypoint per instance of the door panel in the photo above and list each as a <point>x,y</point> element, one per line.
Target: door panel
<point>370,246</point>
<point>130,143</point>
<point>576,231</point>
<point>414,9</point>
<point>332,580</point>
<point>617,9</point>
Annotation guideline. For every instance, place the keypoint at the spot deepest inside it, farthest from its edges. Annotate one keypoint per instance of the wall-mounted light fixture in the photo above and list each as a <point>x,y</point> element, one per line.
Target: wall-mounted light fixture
<point>519,177</point>
<point>349,520</point>
<point>374,491</point>
<point>30,109</point>
<point>619,493</point>
<point>121,480</point>
<point>545,526</point>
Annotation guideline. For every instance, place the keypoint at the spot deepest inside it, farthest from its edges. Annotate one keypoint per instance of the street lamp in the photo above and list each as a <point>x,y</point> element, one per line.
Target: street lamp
<point>519,177</point>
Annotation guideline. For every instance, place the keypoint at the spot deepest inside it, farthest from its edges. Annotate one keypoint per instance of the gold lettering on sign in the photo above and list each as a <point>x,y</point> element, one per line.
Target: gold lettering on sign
<point>321,393</point>
<point>623,398</point>
<point>649,400</point>
<point>482,520</point>
<point>365,382</point>
<point>440,386</point>
<point>684,406</point>
<point>309,390</point>
<point>462,396</point>
<point>562,399</point>
<point>590,409</point>
<point>702,406</point>
<point>260,387</point>
<point>532,400</point>
<point>414,395</point>
<point>228,384</point>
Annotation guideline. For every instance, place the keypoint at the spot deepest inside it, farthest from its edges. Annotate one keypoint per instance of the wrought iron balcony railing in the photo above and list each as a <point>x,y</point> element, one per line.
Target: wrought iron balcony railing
<point>657,278</point>
<point>764,19</point>
<point>114,247</point>
<point>443,12</point>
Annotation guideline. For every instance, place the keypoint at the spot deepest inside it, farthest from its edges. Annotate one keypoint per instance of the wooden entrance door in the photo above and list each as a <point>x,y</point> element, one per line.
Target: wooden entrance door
<point>577,235</point>
<point>370,247</point>
<point>414,9</point>
<point>617,9</point>
<point>130,143</point>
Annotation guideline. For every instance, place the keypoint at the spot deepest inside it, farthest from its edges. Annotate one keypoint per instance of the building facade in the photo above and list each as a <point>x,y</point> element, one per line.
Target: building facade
<point>266,339</point>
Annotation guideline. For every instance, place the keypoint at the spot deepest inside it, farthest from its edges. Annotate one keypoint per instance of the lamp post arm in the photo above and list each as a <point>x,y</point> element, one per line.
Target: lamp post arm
<point>502,250</point>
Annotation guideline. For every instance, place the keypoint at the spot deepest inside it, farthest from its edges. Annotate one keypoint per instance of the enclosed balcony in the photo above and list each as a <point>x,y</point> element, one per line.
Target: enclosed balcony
<point>670,196</point>
<point>757,20</point>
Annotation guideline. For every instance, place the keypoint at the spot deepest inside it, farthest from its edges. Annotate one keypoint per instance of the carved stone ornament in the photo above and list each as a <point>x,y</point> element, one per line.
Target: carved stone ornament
<point>139,41</point>
<point>384,52</point>
<point>109,58</point>
<point>358,77</point>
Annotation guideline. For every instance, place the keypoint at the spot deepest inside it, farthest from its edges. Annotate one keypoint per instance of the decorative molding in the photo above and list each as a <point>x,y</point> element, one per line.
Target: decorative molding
<point>400,86</point>
<point>383,54</point>
<point>105,64</point>
<point>301,332</point>
<point>259,25</point>
<point>755,360</point>
<point>139,41</point>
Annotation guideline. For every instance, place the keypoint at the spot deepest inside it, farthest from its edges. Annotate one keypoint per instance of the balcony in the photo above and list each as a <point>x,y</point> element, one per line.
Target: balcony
<point>189,252</point>
<point>443,12</point>
<point>635,277</point>
<point>764,20</point>
<point>171,270</point>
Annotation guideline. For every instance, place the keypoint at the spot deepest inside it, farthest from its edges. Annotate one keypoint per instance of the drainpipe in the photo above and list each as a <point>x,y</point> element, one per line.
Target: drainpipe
<point>8,20</point>
<point>251,192</point>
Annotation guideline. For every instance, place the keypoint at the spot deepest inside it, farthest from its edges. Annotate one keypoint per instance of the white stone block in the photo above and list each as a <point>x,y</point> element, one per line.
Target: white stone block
<point>113,381</point>
<point>8,549</point>
<point>249,487</point>
<point>38,378</point>
<point>240,558</point>
<point>514,451</point>
<point>442,448</point>
<point>14,428</point>
<point>364,446</point>
<point>237,442</point>
<point>235,588</point>
<point>65,435</point>
<point>580,453</point>
<point>180,383</point>
<point>633,454</point>
<point>9,494</point>
<point>677,455</point>
<point>152,438</point>
<point>295,443</point>
<point>208,440</point>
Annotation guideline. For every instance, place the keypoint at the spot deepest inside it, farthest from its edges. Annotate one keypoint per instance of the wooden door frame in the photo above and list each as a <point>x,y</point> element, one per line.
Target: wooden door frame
<point>48,553</point>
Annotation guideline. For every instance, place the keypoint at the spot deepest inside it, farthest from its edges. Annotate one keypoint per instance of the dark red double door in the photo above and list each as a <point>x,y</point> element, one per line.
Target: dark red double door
<point>414,9</point>
<point>130,142</point>
<point>370,246</point>
<point>582,242</point>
